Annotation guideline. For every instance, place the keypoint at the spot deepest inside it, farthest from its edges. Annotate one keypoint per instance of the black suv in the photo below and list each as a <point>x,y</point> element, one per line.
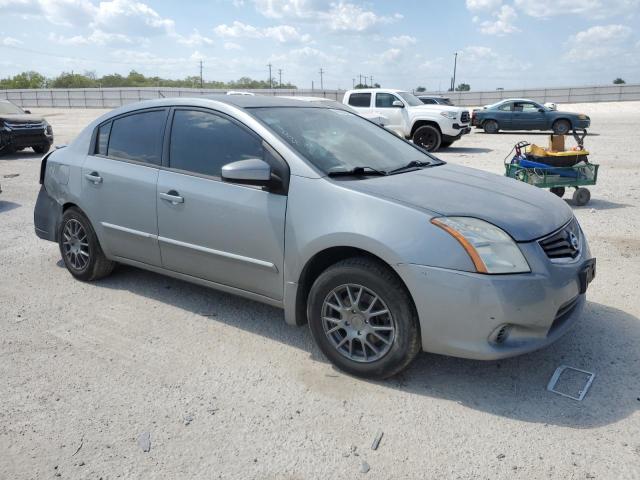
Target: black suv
<point>19,129</point>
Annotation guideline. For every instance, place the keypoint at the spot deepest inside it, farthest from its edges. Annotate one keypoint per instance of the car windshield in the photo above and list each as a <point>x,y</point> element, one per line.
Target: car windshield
<point>7,108</point>
<point>336,140</point>
<point>411,100</point>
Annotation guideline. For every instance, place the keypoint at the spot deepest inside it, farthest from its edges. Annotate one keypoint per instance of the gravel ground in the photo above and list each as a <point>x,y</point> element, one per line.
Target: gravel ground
<point>224,389</point>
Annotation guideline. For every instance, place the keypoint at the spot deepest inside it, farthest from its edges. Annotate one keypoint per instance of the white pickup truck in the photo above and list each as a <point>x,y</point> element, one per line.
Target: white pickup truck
<point>429,126</point>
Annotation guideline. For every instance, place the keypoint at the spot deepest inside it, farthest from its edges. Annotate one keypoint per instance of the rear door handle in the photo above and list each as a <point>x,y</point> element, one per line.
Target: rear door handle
<point>172,196</point>
<point>93,177</point>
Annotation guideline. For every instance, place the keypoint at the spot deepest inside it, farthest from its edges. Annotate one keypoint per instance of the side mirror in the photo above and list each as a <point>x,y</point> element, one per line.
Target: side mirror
<point>253,171</point>
<point>27,111</point>
<point>397,104</point>
<point>541,110</point>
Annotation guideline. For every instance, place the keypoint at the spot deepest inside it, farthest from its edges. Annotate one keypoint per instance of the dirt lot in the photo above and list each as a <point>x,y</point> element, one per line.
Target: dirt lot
<point>227,390</point>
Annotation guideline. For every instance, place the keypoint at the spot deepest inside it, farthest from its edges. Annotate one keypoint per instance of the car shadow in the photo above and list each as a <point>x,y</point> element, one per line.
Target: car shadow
<point>7,206</point>
<point>604,342</point>
<point>597,204</point>
<point>467,150</point>
<point>27,154</point>
<point>529,132</point>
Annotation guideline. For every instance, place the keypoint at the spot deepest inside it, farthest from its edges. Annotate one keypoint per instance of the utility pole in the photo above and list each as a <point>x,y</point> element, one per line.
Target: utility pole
<point>321,81</point>
<point>280,77</point>
<point>371,77</point>
<point>354,83</point>
<point>270,80</point>
<point>360,80</point>
<point>455,65</point>
<point>201,82</point>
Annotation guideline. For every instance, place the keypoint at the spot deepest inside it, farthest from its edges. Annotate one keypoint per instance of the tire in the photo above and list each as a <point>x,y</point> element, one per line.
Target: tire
<point>76,234</point>
<point>561,127</point>
<point>559,191</point>
<point>398,326</point>
<point>41,149</point>
<point>581,196</point>
<point>491,126</point>
<point>445,144</point>
<point>427,137</point>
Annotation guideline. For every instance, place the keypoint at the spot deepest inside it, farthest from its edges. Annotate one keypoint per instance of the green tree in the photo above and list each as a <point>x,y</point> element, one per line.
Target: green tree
<point>24,80</point>
<point>463,87</point>
<point>619,81</point>
<point>421,89</point>
<point>72,80</point>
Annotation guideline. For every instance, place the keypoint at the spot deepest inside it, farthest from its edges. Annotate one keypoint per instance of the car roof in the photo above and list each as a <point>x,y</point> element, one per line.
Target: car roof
<point>379,90</point>
<point>256,101</point>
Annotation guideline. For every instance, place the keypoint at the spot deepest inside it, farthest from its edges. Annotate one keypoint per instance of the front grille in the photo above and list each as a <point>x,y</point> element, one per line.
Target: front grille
<point>25,126</point>
<point>464,117</point>
<point>565,243</point>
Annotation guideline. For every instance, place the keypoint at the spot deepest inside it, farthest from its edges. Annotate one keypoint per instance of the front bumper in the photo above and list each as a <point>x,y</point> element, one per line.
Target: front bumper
<point>25,138</point>
<point>487,317</point>
<point>457,133</point>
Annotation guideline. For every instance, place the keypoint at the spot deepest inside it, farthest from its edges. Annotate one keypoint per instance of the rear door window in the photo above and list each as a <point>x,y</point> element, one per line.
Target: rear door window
<point>360,100</point>
<point>103,139</point>
<point>203,142</point>
<point>138,137</point>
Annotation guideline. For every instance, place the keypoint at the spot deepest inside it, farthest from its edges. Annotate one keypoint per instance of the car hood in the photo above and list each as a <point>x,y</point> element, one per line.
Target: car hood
<point>26,118</point>
<point>523,211</point>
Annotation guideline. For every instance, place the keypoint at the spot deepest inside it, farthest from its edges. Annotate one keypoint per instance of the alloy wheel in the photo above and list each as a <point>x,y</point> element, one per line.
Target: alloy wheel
<point>75,245</point>
<point>358,323</point>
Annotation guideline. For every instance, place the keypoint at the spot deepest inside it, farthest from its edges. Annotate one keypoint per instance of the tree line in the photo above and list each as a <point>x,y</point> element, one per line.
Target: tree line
<point>133,79</point>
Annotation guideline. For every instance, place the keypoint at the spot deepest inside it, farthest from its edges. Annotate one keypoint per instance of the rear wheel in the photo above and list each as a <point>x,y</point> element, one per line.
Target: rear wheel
<point>80,249</point>
<point>490,126</point>
<point>581,196</point>
<point>41,148</point>
<point>561,127</point>
<point>427,137</point>
<point>363,319</point>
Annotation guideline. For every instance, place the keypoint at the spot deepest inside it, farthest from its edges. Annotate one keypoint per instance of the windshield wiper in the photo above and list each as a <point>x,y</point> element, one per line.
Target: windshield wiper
<point>412,165</point>
<point>356,171</point>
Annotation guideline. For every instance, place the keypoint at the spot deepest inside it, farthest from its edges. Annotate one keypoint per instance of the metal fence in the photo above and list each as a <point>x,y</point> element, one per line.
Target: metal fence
<point>114,97</point>
<point>608,93</point>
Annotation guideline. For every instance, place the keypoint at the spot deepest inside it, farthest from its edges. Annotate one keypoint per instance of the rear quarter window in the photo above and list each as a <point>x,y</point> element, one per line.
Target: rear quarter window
<point>360,100</point>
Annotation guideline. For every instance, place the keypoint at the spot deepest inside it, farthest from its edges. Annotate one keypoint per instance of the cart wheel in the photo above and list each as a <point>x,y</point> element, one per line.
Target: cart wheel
<point>559,191</point>
<point>581,196</point>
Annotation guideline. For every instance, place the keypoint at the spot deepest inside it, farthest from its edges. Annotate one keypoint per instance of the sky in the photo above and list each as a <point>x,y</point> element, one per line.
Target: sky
<point>401,43</point>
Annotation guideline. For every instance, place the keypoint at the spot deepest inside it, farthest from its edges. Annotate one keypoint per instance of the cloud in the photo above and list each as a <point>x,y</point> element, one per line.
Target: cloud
<point>97,37</point>
<point>280,33</point>
<point>601,41</point>
<point>476,5</point>
<point>128,17</point>
<point>338,16</point>
<point>232,46</point>
<point>503,22</point>
<point>10,41</point>
<point>594,9</point>
<point>193,39</point>
<point>403,41</point>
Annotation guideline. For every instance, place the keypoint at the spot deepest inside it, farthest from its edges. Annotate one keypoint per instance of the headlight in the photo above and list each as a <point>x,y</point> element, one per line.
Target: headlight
<point>450,115</point>
<point>48,129</point>
<point>489,247</point>
<point>582,116</point>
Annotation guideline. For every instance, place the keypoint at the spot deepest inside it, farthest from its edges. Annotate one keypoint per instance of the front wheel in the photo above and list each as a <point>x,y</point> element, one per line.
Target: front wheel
<point>427,137</point>
<point>561,127</point>
<point>80,249</point>
<point>581,196</point>
<point>363,319</point>
<point>41,149</point>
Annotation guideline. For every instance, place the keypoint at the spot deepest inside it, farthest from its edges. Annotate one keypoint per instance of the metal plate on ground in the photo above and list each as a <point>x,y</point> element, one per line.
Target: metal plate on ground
<point>571,382</point>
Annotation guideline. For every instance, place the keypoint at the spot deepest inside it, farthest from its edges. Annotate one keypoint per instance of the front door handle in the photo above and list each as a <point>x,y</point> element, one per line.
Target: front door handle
<point>93,177</point>
<point>173,197</point>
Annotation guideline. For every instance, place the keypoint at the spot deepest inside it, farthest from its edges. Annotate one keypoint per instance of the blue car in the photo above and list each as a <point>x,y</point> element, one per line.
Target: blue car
<point>523,114</point>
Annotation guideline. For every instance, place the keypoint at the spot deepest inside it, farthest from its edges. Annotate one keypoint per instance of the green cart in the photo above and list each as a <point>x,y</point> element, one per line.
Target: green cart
<point>555,178</point>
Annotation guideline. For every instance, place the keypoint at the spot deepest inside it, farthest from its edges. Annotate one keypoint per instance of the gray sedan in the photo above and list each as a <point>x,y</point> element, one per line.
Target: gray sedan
<point>380,247</point>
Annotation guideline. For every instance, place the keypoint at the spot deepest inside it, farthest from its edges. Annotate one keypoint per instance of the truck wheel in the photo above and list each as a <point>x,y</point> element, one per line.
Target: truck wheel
<point>491,126</point>
<point>561,127</point>
<point>581,196</point>
<point>427,137</point>
<point>80,249</point>
<point>41,148</point>
<point>363,319</point>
